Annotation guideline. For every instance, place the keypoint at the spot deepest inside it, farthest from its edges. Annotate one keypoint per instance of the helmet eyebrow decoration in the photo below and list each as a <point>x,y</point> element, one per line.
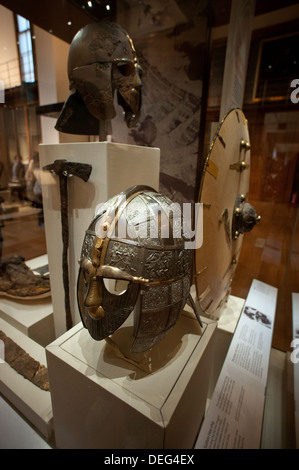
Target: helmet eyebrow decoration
<point>126,66</point>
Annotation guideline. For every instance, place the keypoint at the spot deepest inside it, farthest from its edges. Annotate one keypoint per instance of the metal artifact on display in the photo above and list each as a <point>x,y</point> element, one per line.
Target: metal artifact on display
<point>65,170</point>
<point>19,282</point>
<point>226,212</point>
<point>24,364</point>
<point>102,60</point>
<point>134,258</point>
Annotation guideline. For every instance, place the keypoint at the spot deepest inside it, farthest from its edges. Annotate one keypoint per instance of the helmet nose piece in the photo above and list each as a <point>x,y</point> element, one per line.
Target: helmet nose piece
<point>96,312</point>
<point>93,299</point>
<point>137,81</point>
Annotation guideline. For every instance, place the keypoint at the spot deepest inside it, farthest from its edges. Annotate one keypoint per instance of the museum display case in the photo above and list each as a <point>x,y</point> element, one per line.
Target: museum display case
<point>155,193</point>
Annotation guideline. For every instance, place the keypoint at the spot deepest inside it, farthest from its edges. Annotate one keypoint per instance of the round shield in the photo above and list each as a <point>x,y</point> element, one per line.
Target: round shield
<point>226,214</point>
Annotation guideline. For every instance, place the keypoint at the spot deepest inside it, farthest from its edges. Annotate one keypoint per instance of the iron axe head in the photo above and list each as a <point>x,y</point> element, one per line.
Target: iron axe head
<point>65,168</point>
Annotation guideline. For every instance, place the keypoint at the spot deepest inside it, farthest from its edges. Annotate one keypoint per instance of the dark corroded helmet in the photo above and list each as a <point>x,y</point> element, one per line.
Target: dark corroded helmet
<point>101,60</point>
<point>136,242</point>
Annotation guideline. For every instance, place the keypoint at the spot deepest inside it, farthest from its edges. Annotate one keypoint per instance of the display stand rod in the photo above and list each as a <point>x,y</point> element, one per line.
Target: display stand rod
<point>105,129</point>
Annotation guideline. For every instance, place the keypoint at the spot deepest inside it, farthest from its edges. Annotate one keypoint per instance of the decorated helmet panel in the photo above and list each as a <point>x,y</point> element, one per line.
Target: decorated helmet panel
<point>134,245</point>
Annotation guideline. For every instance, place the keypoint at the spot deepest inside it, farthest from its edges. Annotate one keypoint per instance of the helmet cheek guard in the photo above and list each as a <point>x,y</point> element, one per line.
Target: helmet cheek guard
<point>152,274</point>
<point>98,101</point>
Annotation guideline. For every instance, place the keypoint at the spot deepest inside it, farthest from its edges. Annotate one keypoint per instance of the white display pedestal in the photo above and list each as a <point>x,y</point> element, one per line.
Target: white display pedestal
<point>34,318</point>
<point>32,402</point>
<point>16,432</point>
<point>115,168</point>
<point>226,326</point>
<point>103,398</point>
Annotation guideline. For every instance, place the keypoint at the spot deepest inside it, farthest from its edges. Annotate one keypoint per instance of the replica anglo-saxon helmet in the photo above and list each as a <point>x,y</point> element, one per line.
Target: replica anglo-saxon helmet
<point>135,238</point>
<point>101,60</point>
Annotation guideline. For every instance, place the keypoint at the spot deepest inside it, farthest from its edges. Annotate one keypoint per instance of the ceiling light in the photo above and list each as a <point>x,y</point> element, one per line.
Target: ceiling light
<point>107,6</point>
<point>89,3</point>
<point>69,23</point>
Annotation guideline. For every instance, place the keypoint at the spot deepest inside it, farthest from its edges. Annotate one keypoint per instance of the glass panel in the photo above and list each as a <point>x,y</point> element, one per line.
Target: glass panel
<point>23,24</point>
<point>10,74</point>
<point>270,253</point>
<point>12,148</point>
<point>20,116</point>
<point>25,48</point>
<point>24,43</point>
<point>34,123</point>
<point>23,226</point>
<point>27,68</point>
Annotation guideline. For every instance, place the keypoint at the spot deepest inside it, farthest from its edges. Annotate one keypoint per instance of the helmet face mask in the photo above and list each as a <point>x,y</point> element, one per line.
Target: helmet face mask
<point>102,60</point>
<point>118,274</point>
<point>98,101</point>
<point>126,78</point>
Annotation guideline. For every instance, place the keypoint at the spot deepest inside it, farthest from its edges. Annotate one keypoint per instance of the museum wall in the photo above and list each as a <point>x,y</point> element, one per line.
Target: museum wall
<point>171,48</point>
<point>9,62</point>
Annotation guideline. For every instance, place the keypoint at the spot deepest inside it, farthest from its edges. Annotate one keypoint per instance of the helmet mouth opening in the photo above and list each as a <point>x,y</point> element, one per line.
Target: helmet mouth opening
<point>132,109</point>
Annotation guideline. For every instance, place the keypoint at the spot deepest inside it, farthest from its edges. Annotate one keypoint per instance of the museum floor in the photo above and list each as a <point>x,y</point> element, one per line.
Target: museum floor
<point>265,256</point>
<point>270,253</point>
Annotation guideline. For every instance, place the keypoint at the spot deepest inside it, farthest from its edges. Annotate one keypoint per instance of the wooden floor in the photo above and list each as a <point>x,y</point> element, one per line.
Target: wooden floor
<point>23,236</point>
<point>270,253</point>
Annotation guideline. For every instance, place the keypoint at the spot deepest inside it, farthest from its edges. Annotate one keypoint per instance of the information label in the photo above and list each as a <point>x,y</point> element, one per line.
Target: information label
<point>235,416</point>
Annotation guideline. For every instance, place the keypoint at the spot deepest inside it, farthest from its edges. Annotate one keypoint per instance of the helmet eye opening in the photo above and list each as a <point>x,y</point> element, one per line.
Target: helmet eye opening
<point>116,286</point>
<point>128,67</point>
<point>125,68</point>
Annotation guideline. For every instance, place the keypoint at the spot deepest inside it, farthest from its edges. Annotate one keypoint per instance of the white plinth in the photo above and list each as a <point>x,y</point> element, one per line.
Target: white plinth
<point>104,399</point>
<point>226,326</point>
<point>32,402</point>
<point>115,168</point>
<point>34,318</point>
